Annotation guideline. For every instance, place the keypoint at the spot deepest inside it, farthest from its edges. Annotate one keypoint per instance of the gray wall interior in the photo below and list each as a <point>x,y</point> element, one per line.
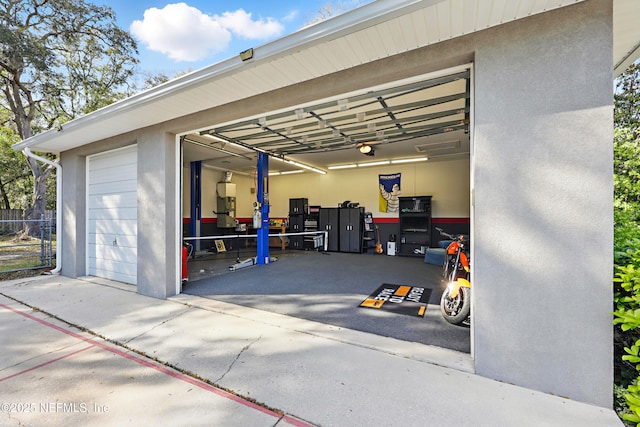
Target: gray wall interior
<point>542,192</point>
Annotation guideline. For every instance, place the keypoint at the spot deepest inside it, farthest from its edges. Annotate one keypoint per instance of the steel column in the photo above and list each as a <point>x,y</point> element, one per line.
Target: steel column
<point>263,199</point>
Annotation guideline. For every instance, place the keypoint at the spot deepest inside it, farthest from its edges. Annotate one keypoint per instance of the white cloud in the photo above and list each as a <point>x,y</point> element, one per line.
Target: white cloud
<point>240,23</point>
<point>184,33</point>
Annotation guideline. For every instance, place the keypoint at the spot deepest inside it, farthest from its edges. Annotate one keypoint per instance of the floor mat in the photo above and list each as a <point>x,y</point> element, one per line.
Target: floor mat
<point>402,299</point>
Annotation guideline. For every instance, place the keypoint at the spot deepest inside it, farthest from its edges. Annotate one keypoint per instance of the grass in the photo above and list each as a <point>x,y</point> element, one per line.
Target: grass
<point>20,254</point>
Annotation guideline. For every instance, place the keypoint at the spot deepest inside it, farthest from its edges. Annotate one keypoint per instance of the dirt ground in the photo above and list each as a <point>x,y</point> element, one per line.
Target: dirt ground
<point>21,274</point>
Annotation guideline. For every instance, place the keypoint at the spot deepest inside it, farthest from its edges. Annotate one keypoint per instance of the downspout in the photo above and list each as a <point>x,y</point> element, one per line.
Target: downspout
<point>27,152</point>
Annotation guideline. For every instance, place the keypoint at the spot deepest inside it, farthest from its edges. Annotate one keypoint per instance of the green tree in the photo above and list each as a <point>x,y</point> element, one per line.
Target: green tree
<point>60,59</point>
<point>15,177</point>
<point>627,100</point>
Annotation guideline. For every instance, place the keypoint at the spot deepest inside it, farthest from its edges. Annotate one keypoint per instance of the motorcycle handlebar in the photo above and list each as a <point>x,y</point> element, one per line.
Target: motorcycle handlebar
<point>450,236</point>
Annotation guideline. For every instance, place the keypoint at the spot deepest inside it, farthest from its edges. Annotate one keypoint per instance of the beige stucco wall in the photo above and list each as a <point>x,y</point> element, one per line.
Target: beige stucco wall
<point>446,181</point>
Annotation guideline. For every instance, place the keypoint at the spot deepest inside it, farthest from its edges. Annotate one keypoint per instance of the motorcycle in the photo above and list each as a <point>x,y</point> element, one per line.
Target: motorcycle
<point>455,303</point>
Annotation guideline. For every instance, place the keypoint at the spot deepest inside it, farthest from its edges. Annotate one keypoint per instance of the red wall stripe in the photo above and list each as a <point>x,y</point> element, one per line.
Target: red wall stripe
<point>377,220</point>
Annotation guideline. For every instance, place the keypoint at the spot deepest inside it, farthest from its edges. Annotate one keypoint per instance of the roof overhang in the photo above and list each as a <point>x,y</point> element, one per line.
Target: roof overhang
<point>378,30</point>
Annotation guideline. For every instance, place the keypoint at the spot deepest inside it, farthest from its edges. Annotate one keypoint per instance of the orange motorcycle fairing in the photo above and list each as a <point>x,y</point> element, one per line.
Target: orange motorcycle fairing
<point>464,261</point>
<point>455,286</point>
<point>453,248</point>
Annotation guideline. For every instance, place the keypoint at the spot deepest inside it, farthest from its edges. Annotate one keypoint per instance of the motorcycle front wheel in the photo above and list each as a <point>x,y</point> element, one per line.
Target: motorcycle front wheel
<point>456,310</point>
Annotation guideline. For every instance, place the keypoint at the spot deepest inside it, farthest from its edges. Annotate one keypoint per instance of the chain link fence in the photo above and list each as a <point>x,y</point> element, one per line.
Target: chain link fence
<point>26,252</point>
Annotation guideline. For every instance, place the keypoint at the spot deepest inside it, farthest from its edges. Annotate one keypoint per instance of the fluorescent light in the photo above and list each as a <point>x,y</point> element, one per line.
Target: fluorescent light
<point>411,160</point>
<point>290,172</point>
<point>353,165</point>
<point>274,173</point>
<point>300,165</point>
<point>384,162</point>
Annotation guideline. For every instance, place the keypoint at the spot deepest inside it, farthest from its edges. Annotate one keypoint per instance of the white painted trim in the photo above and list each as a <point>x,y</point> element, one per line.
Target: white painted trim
<point>179,213</point>
<point>472,115</point>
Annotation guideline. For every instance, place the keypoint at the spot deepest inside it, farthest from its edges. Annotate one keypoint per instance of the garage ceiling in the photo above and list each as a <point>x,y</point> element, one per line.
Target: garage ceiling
<point>412,121</point>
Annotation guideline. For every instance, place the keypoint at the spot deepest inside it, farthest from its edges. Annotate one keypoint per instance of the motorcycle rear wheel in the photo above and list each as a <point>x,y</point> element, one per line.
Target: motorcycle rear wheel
<point>456,310</point>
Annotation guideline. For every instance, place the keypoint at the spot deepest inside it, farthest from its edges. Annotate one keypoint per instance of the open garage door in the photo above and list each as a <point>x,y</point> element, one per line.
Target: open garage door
<point>112,212</point>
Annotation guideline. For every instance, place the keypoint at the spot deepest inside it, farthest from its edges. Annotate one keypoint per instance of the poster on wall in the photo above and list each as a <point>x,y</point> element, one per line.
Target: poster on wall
<point>389,192</point>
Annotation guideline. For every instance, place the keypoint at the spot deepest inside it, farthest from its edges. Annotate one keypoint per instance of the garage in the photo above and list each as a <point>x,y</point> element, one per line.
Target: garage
<point>521,156</point>
<point>331,153</point>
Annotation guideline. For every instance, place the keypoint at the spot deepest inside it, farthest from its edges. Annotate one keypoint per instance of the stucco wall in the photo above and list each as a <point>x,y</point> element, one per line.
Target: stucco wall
<point>74,231</point>
<point>157,216</point>
<point>542,232</point>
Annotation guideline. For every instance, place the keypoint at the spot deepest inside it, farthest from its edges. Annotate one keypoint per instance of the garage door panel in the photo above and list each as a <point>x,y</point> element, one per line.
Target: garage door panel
<point>116,253</point>
<point>111,201</point>
<point>115,271</point>
<point>124,241</point>
<point>124,214</point>
<point>112,215</point>
<point>116,187</point>
<point>114,228</point>
<point>104,173</point>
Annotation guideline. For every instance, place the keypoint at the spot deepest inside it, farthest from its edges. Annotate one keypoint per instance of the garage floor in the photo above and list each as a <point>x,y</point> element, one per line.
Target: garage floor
<point>328,288</point>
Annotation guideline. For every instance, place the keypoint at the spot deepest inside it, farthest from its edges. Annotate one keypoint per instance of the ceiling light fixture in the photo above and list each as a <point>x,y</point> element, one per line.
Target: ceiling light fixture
<point>364,165</point>
<point>411,160</point>
<point>367,150</point>
<point>349,166</point>
<point>300,165</point>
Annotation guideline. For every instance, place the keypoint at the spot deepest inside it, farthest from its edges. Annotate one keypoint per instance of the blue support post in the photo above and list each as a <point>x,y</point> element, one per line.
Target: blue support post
<point>263,199</point>
<point>196,202</point>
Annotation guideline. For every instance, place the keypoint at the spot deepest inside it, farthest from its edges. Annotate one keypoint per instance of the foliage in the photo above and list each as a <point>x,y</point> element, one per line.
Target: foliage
<point>627,316</point>
<point>15,177</point>
<point>627,245</point>
<point>59,59</point>
<point>627,99</point>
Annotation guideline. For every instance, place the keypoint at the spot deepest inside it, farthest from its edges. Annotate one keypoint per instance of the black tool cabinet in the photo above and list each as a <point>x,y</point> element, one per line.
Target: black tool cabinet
<point>329,222</point>
<point>298,214</point>
<point>344,227</point>
<point>351,225</point>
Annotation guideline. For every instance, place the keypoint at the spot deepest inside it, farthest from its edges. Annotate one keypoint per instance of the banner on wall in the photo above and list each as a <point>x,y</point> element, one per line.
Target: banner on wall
<point>389,192</point>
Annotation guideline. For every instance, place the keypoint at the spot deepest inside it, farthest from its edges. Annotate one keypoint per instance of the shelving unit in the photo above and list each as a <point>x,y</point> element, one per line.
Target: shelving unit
<point>368,233</point>
<point>415,225</point>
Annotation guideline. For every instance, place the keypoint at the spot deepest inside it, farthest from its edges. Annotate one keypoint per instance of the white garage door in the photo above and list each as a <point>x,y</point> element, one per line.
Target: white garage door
<point>112,215</point>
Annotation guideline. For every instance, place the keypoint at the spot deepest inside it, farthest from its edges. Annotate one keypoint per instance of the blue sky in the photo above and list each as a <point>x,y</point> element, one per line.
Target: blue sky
<point>175,36</point>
